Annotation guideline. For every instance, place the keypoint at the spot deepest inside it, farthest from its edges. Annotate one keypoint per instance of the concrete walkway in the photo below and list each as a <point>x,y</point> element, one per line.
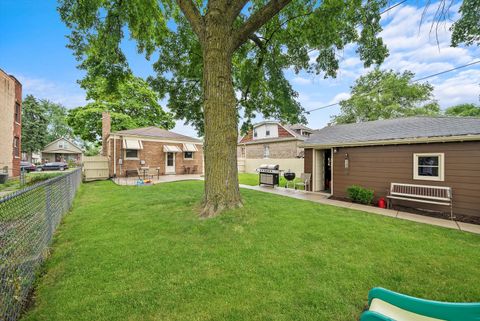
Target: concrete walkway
<point>157,179</point>
<point>322,198</point>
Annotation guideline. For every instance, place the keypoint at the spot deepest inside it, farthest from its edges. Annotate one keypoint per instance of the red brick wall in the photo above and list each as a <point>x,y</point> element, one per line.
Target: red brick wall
<point>248,137</point>
<point>154,156</point>
<point>282,132</point>
<point>17,130</point>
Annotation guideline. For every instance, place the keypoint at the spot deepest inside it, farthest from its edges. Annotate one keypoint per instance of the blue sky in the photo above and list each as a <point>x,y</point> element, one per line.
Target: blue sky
<point>32,47</point>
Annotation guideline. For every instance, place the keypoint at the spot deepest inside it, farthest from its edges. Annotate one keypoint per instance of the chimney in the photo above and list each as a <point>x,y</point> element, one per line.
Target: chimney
<point>105,131</point>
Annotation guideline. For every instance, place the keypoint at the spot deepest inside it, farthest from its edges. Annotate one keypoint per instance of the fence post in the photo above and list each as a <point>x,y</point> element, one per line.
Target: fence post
<point>48,210</point>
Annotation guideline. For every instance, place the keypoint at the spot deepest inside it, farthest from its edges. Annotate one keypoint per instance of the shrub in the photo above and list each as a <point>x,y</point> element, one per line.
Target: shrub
<point>358,194</point>
<point>35,178</point>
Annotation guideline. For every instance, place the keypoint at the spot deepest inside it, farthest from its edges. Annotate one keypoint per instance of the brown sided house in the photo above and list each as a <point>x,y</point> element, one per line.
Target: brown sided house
<point>432,151</point>
<point>272,142</point>
<point>150,147</point>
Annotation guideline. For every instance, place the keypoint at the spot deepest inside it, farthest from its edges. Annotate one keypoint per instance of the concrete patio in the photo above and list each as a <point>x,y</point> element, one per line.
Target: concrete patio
<point>322,198</point>
<point>158,179</point>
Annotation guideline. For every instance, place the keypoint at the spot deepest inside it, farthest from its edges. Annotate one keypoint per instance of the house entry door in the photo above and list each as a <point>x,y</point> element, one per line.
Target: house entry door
<point>170,163</point>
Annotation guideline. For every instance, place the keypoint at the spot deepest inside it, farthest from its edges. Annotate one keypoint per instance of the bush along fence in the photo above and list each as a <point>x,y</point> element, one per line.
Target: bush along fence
<point>28,219</point>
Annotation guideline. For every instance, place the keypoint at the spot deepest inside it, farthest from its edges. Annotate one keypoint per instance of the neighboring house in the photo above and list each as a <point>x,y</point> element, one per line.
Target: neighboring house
<point>152,147</point>
<point>62,150</point>
<point>441,151</point>
<point>35,158</point>
<point>274,143</point>
<point>10,123</point>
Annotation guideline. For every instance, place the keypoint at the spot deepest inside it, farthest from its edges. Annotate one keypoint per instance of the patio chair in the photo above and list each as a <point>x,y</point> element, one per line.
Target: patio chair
<point>194,169</point>
<point>152,172</point>
<point>305,181</point>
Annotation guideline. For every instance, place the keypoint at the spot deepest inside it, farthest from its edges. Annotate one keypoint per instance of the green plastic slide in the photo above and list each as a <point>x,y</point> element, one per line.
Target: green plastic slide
<point>386,305</point>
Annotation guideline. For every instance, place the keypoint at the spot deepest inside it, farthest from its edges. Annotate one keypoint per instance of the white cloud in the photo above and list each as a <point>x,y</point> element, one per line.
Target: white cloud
<point>461,88</point>
<point>302,81</point>
<point>46,89</point>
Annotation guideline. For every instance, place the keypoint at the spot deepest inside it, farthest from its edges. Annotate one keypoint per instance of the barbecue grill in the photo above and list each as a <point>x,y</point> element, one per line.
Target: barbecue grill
<point>290,177</point>
<point>268,174</point>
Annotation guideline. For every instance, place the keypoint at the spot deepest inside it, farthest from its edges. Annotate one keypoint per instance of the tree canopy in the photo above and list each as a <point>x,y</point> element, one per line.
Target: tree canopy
<point>384,94</point>
<point>34,125</point>
<point>57,121</point>
<point>465,110</point>
<point>133,104</point>
<point>221,59</point>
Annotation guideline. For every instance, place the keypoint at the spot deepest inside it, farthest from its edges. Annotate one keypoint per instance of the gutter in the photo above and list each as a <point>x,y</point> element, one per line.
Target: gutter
<point>425,140</point>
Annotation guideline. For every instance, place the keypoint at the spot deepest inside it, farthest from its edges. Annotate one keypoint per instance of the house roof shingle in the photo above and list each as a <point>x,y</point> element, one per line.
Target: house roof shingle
<point>394,129</point>
<point>156,132</point>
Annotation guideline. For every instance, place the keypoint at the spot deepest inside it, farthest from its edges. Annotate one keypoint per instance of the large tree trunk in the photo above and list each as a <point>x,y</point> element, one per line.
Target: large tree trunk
<point>220,114</point>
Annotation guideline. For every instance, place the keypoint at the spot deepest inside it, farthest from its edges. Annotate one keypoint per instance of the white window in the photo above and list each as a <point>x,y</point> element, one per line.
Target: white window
<point>255,133</point>
<point>266,151</point>
<point>131,154</point>
<point>187,155</point>
<point>428,166</point>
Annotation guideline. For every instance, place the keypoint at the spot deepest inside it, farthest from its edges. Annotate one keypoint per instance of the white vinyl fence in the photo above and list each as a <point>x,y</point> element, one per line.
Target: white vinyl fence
<point>295,165</point>
<point>95,168</point>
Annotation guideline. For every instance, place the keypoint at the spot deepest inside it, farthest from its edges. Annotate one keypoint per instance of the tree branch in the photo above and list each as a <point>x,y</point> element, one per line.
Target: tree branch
<point>236,7</point>
<point>257,20</point>
<point>193,16</point>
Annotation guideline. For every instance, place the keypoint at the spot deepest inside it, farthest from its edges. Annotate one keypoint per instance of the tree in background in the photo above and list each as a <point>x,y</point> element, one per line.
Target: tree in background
<point>386,94</point>
<point>209,50</point>
<point>464,110</point>
<point>133,104</point>
<point>34,126</point>
<point>57,121</point>
<point>466,30</point>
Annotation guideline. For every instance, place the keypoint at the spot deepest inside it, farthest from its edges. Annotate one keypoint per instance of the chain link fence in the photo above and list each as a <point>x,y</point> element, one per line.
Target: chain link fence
<point>28,219</point>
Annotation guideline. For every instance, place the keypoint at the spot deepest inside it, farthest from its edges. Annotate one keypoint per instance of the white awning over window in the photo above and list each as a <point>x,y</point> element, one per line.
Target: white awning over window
<point>190,148</point>
<point>171,149</point>
<point>132,144</point>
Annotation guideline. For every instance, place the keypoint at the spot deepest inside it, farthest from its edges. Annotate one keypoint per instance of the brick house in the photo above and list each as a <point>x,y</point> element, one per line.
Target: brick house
<point>10,123</point>
<point>152,147</point>
<point>272,142</point>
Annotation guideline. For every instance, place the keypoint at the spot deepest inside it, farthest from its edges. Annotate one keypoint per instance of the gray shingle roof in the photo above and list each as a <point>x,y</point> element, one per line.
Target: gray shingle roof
<point>156,132</point>
<point>299,126</point>
<point>395,129</point>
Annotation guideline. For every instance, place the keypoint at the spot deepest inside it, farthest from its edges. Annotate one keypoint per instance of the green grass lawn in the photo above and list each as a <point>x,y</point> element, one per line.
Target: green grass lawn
<point>13,184</point>
<point>141,253</point>
<point>252,179</point>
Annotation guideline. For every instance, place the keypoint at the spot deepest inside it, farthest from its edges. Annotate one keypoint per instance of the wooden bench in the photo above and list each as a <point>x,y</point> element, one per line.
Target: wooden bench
<point>437,195</point>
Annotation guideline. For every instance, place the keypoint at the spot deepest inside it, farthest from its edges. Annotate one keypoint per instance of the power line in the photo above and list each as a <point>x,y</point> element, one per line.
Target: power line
<point>415,80</point>
<point>394,6</point>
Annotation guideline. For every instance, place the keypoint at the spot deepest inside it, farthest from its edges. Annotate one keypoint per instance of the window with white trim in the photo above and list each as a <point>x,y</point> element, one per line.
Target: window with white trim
<point>428,166</point>
<point>131,153</point>
<point>187,155</point>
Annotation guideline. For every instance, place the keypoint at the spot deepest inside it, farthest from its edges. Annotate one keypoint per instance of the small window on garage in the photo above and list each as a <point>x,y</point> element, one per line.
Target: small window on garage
<point>429,166</point>
<point>266,151</point>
